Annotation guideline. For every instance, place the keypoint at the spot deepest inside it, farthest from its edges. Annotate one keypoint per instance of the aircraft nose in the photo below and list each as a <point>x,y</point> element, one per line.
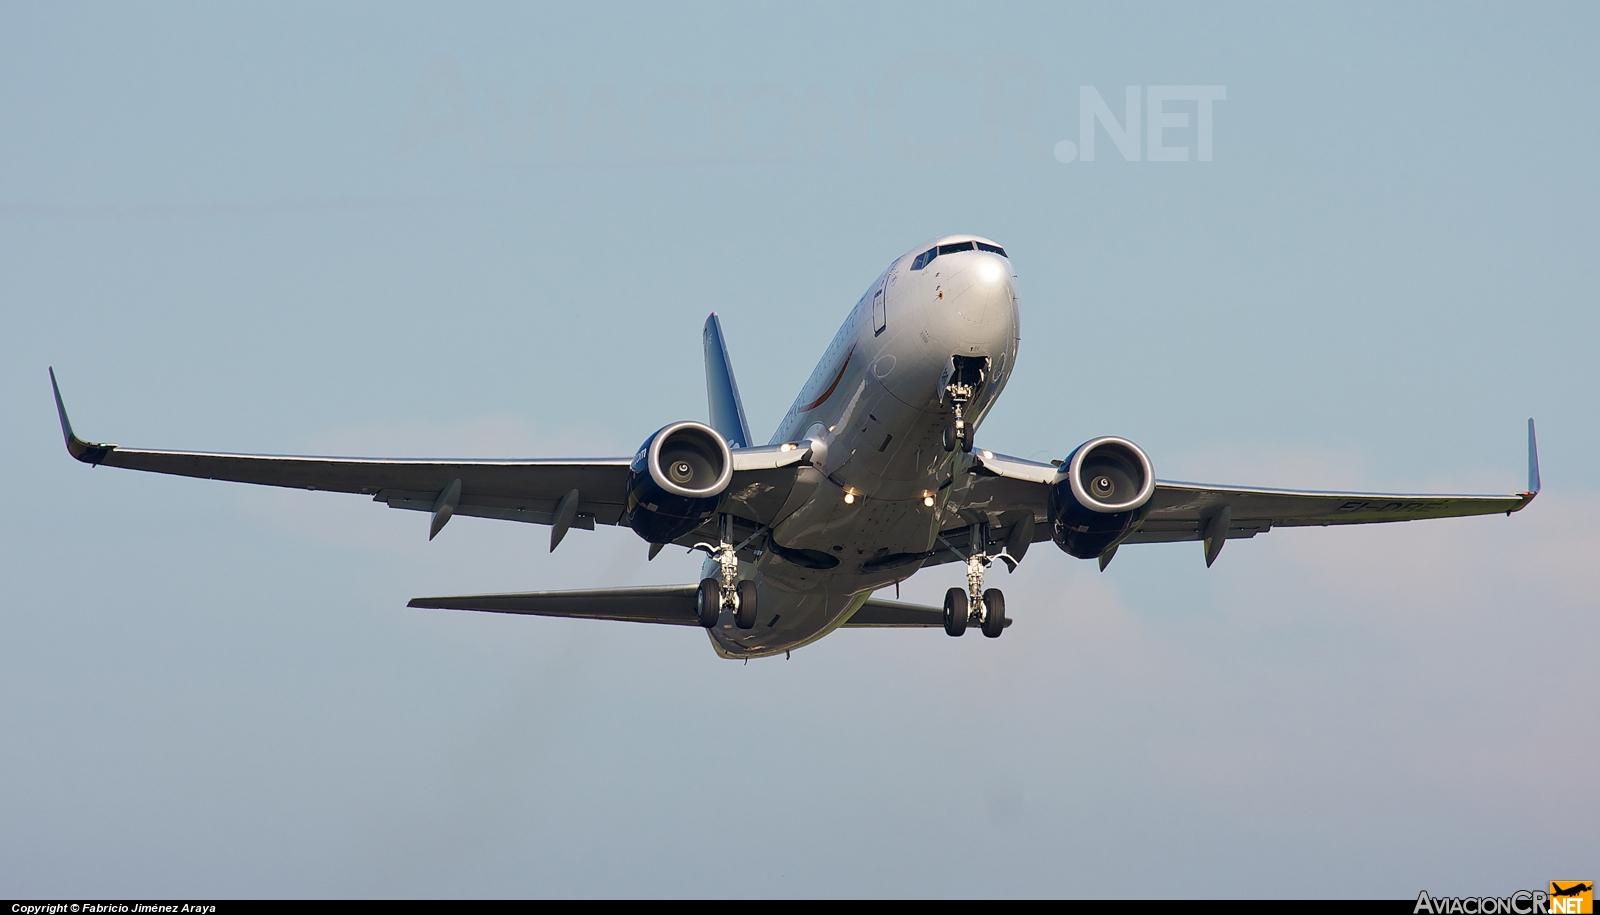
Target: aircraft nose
<point>991,272</point>
<point>987,301</point>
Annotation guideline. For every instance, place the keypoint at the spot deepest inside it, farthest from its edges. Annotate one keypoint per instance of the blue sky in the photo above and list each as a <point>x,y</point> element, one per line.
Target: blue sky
<point>496,230</point>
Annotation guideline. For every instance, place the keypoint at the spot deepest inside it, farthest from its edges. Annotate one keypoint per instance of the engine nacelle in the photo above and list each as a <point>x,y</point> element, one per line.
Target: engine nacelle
<point>676,481</point>
<point>1101,491</point>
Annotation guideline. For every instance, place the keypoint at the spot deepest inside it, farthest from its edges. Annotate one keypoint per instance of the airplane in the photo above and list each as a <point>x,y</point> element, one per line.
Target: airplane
<point>1577,889</point>
<point>871,476</point>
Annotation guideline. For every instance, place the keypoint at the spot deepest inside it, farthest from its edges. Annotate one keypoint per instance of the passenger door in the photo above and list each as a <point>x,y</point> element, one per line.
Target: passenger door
<point>878,316</point>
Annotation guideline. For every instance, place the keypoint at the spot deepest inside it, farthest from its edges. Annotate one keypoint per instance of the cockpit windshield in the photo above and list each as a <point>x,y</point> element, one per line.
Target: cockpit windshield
<point>927,257</point>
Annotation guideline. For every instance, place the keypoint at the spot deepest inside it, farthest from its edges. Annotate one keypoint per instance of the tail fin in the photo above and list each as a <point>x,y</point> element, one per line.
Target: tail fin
<point>727,412</point>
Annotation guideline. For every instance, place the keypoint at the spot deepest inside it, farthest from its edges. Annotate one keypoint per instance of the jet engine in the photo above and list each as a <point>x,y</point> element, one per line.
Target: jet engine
<point>1100,493</point>
<point>676,481</point>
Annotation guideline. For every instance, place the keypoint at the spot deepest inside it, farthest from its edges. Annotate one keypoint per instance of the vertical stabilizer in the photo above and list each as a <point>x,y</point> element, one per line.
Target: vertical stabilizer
<point>722,392</point>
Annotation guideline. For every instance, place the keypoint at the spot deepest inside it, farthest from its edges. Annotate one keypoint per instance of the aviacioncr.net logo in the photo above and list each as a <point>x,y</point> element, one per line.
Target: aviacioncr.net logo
<point>1566,897</point>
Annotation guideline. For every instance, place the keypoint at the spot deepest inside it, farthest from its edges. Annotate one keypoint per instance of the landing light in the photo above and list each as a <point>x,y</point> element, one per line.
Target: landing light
<point>849,497</point>
<point>927,500</point>
<point>786,446</point>
<point>990,271</point>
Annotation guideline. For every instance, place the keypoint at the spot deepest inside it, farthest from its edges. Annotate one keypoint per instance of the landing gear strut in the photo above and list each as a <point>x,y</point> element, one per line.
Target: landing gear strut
<point>726,592</point>
<point>974,604</point>
<point>963,376</point>
<point>956,429</point>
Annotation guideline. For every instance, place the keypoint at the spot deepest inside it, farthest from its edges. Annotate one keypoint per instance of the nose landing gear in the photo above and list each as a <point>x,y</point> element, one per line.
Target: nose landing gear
<point>974,604</point>
<point>957,432</point>
<point>726,592</point>
<point>963,375</point>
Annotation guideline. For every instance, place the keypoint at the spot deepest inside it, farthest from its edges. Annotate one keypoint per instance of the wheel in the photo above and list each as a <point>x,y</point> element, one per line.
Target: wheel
<point>708,603</point>
<point>948,435</point>
<point>745,618</point>
<point>955,611</point>
<point>966,437</point>
<point>994,613</point>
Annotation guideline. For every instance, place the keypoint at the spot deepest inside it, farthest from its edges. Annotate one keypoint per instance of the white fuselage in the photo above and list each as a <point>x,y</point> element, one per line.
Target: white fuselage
<point>875,410</point>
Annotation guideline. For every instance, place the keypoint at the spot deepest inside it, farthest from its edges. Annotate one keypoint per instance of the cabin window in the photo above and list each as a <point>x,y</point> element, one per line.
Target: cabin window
<point>992,249</point>
<point>958,246</point>
<point>925,258</point>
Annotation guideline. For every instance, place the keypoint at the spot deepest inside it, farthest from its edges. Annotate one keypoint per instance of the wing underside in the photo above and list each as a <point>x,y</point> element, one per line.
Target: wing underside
<point>1181,511</point>
<point>1006,491</point>
<point>574,493</point>
<point>1001,493</point>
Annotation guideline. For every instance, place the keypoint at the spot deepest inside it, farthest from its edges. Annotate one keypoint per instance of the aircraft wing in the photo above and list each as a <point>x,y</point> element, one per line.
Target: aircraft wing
<point>1005,491</point>
<point>531,490</point>
<point>1179,511</point>
<point>515,490</point>
<point>671,605</point>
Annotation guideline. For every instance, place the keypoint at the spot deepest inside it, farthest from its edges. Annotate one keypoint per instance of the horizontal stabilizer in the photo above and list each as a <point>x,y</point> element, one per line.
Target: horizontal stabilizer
<point>672,605</point>
<point>669,604</point>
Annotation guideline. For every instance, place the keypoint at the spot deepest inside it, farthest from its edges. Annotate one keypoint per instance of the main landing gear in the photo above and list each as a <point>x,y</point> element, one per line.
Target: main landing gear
<point>974,604</point>
<point>726,592</point>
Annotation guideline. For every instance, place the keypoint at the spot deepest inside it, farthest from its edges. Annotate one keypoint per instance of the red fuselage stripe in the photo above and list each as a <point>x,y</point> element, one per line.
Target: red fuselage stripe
<point>829,392</point>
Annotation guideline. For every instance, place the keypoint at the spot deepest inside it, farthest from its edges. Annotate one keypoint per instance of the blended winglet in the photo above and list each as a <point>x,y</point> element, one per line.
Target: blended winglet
<point>727,412</point>
<point>1533,461</point>
<point>87,452</point>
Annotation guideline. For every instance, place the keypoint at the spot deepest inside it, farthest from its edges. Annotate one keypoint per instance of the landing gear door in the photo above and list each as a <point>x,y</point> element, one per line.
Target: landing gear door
<point>878,316</point>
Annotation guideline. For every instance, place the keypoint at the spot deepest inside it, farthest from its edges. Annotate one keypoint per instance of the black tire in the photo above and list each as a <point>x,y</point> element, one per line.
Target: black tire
<point>966,437</point>
<point>955,611</point>
<point>746,617</point>
<point>948,435</point>
<point>994,613</point>
<point>708,603</point>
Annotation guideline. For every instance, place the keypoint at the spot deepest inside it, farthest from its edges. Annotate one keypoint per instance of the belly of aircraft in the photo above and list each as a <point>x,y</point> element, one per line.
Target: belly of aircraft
<point>788,620</point>
<point>873,542</point>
